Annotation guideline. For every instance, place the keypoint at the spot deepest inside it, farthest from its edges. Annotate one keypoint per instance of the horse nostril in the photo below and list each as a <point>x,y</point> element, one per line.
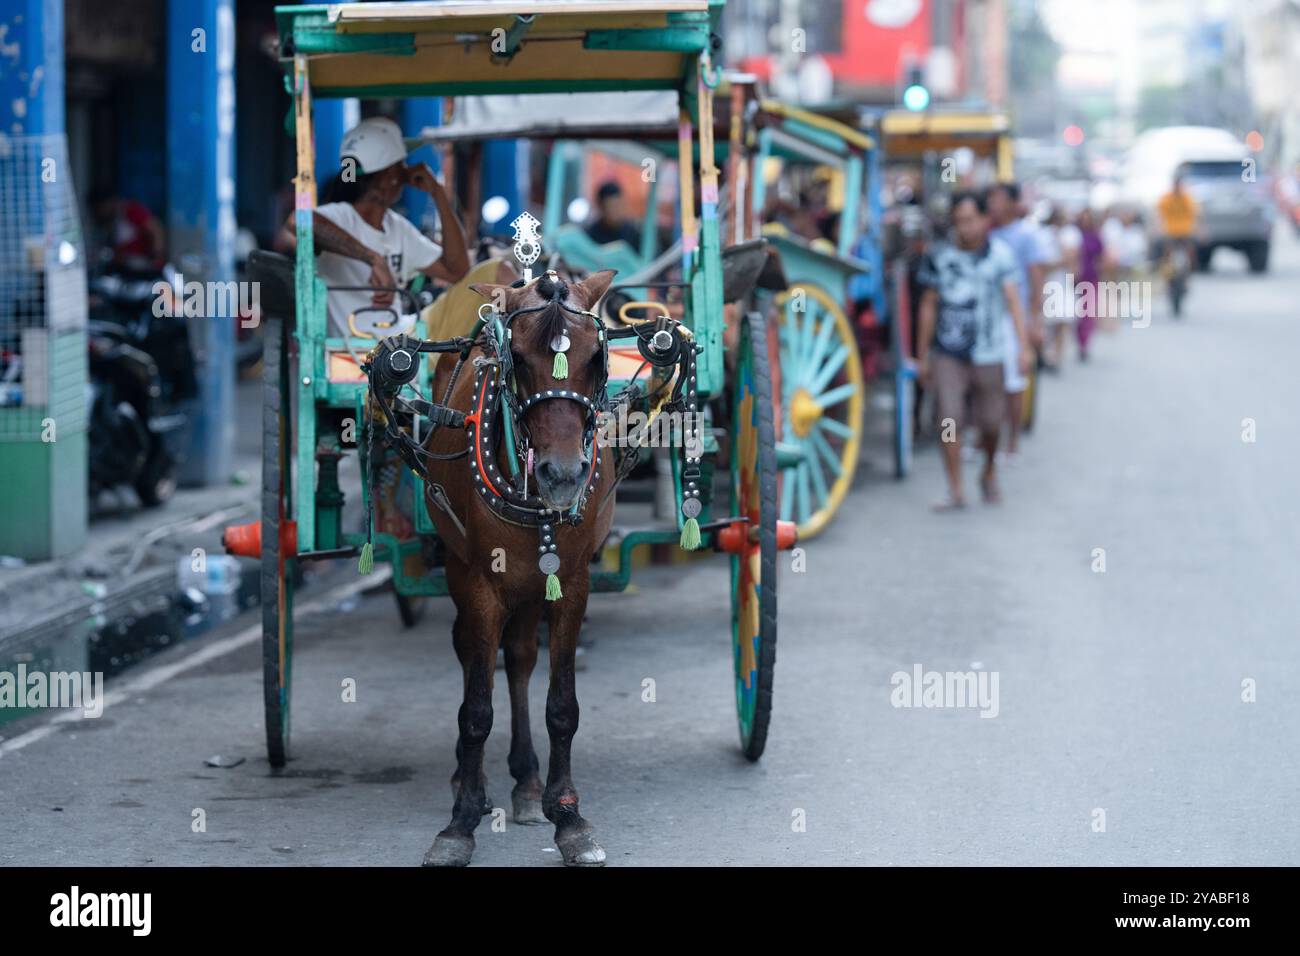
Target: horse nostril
<point>556,476</point>
<point>548,472</point>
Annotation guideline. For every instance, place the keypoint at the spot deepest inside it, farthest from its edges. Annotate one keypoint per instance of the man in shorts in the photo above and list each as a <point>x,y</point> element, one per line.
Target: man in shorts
<point>1009,224</point>
<point>969,284</point>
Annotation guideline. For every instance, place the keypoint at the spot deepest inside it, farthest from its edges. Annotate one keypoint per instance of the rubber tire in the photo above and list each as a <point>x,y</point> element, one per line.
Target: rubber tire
<point>276,570</point>
<point>410,607</point>
<point>156,482</point>
<point>754,738</point>
<point>904,421</point>
<point>1257,257</point>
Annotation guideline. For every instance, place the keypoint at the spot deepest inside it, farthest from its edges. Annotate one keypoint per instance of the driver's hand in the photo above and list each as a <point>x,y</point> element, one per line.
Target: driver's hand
<point>382,277</point>
<point>420,176</point>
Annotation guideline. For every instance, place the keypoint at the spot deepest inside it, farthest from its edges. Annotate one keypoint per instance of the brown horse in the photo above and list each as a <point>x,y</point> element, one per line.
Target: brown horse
<point>493,570</point>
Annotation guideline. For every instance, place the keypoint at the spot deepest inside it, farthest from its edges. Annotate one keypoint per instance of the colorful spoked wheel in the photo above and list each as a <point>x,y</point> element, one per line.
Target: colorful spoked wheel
<point>277,543</point>
<point>753,564</point>
<point>822,400</point>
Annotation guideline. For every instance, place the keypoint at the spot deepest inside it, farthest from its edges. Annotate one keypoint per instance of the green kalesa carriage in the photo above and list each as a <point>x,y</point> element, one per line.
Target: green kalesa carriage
<point>724,485</point>
<point>765,148</point>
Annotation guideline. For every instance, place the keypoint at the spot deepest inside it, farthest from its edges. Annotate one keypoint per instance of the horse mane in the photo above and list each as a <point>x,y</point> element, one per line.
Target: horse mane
<point>550,322</point>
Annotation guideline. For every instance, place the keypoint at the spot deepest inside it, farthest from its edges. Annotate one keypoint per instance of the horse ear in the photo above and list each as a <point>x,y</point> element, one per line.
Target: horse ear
<point>498,295</point>
<point>593,287</point>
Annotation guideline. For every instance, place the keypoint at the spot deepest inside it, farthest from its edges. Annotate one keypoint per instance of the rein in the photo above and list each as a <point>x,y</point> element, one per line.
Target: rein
<point>498,411</point>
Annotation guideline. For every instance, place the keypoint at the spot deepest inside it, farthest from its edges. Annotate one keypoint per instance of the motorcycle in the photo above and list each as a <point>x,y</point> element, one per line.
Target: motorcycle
<point>141,369</point>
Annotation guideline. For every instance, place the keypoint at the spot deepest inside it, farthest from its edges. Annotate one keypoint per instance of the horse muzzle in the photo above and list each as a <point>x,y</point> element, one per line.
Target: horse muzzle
<point>560,482</point>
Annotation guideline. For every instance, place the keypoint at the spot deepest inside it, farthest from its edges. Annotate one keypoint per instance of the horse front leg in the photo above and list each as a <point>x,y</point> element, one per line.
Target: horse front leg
<point>573,835</point>
<point>520,644</point>
<point>475,638</point>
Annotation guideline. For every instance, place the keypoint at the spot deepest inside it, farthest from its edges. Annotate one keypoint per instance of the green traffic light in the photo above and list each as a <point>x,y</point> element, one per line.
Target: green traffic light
<point>916,98</point>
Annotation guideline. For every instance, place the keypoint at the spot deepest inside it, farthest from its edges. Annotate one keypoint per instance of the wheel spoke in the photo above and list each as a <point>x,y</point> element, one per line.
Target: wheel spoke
<point>818,479</point>
<point>826,452</point>
<point>802,477</point>
<point>827,371</point>
<point>819,350</point>
<point>835,426</point>
<point>836,395</point>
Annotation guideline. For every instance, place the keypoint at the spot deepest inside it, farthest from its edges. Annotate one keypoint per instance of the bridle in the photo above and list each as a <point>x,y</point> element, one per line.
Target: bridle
<point>497,416</point>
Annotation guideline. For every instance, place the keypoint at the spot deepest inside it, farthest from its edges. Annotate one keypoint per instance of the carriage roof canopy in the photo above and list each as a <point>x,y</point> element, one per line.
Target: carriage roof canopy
<point>910,135</point>
<point>461,47</point>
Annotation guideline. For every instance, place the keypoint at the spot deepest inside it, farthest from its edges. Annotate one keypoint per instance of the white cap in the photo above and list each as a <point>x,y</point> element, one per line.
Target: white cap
<point>374,144</point>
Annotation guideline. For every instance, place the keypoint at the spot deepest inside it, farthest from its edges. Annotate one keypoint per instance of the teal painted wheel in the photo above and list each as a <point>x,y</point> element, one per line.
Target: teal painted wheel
<point>753,568</point>
<point>277,567</point>
<point>822,403</point>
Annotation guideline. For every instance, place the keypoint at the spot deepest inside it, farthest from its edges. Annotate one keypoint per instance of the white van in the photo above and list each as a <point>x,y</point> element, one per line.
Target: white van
<point>1219,171</point>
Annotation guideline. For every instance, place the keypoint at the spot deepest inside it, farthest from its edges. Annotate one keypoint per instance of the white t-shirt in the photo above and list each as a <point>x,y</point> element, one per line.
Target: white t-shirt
<point>407,249</point>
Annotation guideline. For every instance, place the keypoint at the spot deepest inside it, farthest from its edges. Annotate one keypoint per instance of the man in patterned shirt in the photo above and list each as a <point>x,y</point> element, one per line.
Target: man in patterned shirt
<point>969,283</point>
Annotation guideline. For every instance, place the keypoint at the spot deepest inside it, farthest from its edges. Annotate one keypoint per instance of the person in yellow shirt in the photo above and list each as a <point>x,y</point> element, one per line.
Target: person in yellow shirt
<point>1178,211</point>
<point>1179,221</point>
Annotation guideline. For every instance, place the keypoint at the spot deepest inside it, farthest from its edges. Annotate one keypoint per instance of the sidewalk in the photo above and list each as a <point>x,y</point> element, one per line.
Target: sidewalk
<point>129,560</point>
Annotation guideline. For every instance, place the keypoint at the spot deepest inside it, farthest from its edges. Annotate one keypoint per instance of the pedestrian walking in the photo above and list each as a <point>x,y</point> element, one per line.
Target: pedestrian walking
<point>1009,224</point>
<point>1091,250</point>
<point>969,284</point>
<point>1061,240</point>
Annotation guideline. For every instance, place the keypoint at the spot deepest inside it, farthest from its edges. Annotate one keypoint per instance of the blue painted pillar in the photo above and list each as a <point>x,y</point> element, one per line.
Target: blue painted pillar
<point>42,308</point>
<point>331,119</point>
<point>201,208</point>
<point>505,168</point>
<point>414,116</point>
<point>31,68</point>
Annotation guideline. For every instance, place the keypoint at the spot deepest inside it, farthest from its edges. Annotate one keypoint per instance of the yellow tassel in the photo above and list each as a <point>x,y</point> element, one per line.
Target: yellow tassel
<point>561,369</point>
<point>553,592</point>
<point>690,535</point>
<point>367,562</point>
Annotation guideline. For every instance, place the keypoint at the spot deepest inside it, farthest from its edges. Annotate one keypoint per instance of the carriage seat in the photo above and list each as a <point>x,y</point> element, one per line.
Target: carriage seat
<point>454,312</point>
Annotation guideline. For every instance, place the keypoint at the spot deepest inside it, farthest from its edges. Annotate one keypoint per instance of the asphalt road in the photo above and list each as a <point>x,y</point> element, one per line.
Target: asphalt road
<point>1119,691</point>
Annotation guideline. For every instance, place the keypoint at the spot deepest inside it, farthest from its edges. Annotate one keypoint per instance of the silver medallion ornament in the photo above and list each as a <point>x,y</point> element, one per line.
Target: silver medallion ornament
<point>549,563</point>
<point>528,242</point>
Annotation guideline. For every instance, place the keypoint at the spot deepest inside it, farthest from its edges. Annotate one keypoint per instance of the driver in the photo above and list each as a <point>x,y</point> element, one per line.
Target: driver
<point>360,241</point>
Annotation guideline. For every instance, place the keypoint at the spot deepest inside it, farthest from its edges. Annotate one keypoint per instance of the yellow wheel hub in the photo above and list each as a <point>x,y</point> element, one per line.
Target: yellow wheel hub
<point>804,412</point>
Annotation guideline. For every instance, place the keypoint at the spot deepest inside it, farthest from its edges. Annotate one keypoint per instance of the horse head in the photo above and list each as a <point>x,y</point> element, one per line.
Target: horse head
<point>546,318</point>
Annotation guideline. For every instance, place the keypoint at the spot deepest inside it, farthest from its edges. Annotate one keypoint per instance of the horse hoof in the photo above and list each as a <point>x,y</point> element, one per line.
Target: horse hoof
<point>528,811</point>
<point>579,848</point>
<point>449,849</point>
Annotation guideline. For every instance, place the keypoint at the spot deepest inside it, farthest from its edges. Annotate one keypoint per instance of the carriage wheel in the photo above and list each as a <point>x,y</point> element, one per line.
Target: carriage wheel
<point>904,420</point>
<point>822,399</point>
<point>1030,401</point>
<point>410,608</point>
<point>277,567</point>
<point>753,571</point>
